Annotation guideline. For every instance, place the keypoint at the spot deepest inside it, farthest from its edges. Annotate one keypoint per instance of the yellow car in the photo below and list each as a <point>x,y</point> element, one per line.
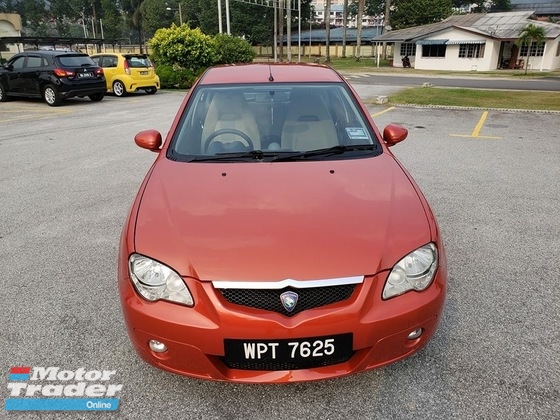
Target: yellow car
<point>127,73</point>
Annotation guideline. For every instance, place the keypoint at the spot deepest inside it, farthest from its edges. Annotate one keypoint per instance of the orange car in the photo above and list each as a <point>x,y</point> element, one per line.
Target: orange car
<point>276,238</point>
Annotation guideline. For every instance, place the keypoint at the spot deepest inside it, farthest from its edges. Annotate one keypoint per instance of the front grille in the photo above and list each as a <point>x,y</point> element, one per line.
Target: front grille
<point>269,299</point>
<point>286,365</point>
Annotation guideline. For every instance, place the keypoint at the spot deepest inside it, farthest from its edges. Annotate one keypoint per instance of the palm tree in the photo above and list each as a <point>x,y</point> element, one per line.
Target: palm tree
<point>361,4</point>
<point>528,35</point>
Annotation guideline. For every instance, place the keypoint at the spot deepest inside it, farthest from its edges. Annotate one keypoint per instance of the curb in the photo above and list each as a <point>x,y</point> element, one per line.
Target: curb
<point>474,108</point>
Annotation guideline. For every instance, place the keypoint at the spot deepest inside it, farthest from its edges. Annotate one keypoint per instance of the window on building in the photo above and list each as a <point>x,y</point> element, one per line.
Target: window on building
<point>471,50</point>
<point>408,48</point>
<point>535,51</point>
<point>558,50</point>
<point>433,50</point>
<point>3,47</point>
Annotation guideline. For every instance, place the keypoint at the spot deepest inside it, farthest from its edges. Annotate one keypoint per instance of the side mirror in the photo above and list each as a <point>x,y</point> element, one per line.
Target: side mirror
<point>149,139</point>
<point>393,134</point>
<point>8,67</point>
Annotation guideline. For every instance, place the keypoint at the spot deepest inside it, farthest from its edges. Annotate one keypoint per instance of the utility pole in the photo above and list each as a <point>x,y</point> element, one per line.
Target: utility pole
<point>228,27</point>
<point>94,17</point>
<point>386,25</point>
<point>344,25</point>
<point>328,30</point>
<point>281,28</point>
<point>220,27</point>
<point>289,29</point>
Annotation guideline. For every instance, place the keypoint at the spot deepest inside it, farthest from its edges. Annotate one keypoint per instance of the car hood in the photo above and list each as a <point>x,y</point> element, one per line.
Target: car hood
<point>267,221</point>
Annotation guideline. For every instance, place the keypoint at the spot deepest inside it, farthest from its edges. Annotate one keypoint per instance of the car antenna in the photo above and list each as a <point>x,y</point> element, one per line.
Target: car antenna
<point>270,77</point>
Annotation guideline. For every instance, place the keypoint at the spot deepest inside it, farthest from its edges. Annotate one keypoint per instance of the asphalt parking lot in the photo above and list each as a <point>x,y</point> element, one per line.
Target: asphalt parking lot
<point>68,176</point>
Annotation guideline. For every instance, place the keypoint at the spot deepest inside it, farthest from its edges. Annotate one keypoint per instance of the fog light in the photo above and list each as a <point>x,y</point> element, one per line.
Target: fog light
<point>415,334</point>
<point>157,347</point>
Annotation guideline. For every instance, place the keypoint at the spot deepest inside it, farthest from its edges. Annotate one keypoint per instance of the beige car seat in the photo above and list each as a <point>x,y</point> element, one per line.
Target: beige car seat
<point>309,124</point>
<point>228,110</point>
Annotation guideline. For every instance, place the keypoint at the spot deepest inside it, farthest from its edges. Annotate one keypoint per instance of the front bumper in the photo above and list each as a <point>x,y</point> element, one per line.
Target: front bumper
<point>195,336</point>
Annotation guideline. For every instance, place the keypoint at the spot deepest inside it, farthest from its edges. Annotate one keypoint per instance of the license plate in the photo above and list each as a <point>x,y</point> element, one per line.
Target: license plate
<point>143,73</point>
<point>297,352</point>
<point>88,74</point>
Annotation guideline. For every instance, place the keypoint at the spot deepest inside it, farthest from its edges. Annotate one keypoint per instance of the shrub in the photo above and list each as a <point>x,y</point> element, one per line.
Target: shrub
<point>230,49</point>
<point>183,47</point>
<point>173,77</point>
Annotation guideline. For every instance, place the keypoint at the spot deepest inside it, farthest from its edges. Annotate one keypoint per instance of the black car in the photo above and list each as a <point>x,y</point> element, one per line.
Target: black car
<point>53,76</point>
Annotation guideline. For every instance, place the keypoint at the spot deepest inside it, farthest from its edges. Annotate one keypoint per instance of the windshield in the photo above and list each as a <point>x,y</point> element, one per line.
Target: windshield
<point>75,60</point>
<point>230,123</point>
<point>138,61</point>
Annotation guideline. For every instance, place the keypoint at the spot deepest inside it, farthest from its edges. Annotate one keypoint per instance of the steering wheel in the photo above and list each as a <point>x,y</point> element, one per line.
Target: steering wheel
<point>228,131</point>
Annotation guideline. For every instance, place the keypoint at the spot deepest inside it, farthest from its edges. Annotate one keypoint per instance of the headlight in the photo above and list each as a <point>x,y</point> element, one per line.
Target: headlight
<point>414,272</point>
<point>155,281</point>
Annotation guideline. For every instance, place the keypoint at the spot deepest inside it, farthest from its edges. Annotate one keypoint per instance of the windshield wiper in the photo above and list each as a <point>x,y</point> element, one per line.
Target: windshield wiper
<point>235,156</point>
<point>329,151</point>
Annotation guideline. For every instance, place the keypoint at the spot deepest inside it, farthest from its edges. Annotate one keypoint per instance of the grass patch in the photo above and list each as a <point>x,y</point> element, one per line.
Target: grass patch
<point>369,64</point>
<point>549,101</point>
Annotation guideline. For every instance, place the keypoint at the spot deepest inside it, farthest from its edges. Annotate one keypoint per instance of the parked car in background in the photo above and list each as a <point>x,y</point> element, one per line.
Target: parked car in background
<point>127,73</point>
<point>52,75</point>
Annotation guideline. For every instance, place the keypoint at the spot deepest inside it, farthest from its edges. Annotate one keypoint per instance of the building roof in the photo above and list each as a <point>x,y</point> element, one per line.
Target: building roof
<point>336,35</point>
<point>540,7</point>
<point>506,25</point>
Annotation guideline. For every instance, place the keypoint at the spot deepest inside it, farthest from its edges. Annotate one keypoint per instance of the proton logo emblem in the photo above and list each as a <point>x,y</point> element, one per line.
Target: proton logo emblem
<point>289,300</point>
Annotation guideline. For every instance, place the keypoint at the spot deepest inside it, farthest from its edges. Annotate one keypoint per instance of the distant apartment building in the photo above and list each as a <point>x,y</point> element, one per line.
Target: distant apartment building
<point>336,15</point>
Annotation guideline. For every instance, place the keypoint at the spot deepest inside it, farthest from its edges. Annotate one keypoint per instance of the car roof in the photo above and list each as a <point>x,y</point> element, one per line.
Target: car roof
<point>120,54</point>
<point>54,52</point>
<point>262,72</point>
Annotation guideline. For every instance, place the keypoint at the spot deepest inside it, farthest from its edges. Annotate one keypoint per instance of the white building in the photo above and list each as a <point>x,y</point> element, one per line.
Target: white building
<point>475,42</point>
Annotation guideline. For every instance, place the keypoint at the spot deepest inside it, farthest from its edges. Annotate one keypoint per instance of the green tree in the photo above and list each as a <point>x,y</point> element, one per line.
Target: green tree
<point>191,12</point>
<point>500,6</point>
<point>408,13</point>
<point>132,10</point>
<point>33,14</point>
<point>252,22</point>
<point>493,6</point>
<point>372,8</point>
<point>155,16</point>
<point>529,35</point>
<point>113,23</point>
<point>461,3</point>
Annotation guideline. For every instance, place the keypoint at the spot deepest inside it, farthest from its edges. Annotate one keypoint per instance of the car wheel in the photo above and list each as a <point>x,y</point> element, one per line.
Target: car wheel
<point>3,96</point>
<point>97,97</point>
<point>151,91</point>
<point>119,89</point>
<point>51,96</point>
